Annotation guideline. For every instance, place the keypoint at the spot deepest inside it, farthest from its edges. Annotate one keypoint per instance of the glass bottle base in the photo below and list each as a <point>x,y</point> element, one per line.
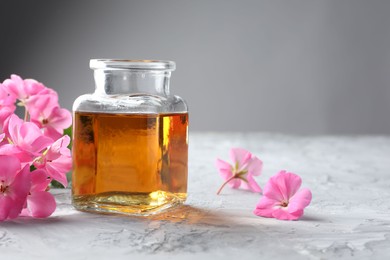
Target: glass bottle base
<point>134,204</point>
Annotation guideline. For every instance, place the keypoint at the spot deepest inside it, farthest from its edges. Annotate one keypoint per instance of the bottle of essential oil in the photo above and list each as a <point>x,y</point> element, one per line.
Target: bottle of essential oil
<point>130,140</point>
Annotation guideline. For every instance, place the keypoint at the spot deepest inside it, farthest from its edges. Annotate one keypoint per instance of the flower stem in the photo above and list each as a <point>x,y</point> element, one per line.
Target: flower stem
<point>25,114</point>
<point>226,182</point>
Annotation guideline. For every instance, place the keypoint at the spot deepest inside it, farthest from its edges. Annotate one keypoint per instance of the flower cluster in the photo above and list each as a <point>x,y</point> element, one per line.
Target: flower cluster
<point>281,199</point>
<point>33,150</point>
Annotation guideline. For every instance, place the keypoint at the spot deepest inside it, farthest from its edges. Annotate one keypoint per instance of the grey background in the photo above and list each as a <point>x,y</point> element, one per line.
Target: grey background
<point>306,67</point>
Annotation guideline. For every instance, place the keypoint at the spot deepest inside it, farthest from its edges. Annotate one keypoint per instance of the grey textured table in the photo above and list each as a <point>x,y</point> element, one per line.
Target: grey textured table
<point>349,216</point>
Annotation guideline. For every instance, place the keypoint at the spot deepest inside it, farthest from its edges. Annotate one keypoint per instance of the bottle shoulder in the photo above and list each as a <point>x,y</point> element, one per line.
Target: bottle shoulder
<point>139,103</point>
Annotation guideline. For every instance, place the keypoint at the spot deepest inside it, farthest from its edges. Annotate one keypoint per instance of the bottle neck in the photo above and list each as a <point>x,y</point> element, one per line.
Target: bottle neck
<point>131,82</point>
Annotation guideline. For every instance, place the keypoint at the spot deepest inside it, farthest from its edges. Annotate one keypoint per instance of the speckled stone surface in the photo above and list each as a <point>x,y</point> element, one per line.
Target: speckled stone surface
<point>349,216</point>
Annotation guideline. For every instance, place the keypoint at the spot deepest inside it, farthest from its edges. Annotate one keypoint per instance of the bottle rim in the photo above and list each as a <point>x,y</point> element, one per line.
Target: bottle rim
<point>132,64</point>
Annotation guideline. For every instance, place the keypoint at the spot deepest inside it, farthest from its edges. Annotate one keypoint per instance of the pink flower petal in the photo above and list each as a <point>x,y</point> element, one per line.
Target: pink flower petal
<point>289,183</point>
<point>32,136</point>
<point>58,171</point>
<point>63,164</point>
<point>33,87</point>
<point>255,166</point>
<point>9,149</point>
<point>300,200</point>
<point>251,184</point>
<point>225,174</point>
<point>296,214</point>
<point>15,86</point>
<point>13,125</point>
<point>60,118</point>
<point>235,183</point>
<point>59,148</point>
<point>21,184</point>
<point>282,186</point>
<point>5,207</point>
<point>283,214</point>
<point>39,180</point>
<point>6,100</point>
<point>5,112</point>
<point>240,156</point>
<point>18,191</point>
<point>265,207</point>
<point>41,204</point>
<point>16,208</point>
<point>42,105</point>
<point>52,132</point>
<point>222,165</point>
<point>224,168</point>
<point>41,143</point>
<point>9,166</point>
<point>271,190</point>
<point>49,91</point>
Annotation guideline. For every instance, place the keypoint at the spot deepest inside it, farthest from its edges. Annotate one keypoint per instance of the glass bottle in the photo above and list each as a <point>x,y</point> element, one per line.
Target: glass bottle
<point>130,140</point>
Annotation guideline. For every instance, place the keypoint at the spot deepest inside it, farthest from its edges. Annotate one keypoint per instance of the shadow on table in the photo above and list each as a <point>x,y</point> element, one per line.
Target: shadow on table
<point>190,215</point>
<point>28,222</point>
<point>182,215</point>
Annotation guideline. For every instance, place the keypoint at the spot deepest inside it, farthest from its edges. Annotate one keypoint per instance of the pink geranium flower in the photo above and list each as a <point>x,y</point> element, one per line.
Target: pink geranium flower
<point>26,140</point>
<point>245,166</point>
<point>56,160</point>
<point>40,203</point>
<point>6,100</point>
<point>282,198</point>
<point>22,89</point>
<point>46,114</point>
<point>28,143</point>
<point>14,186</point>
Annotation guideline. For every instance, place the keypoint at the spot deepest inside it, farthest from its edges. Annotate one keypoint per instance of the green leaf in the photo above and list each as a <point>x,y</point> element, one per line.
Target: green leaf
<point>56,184</point>
<point>69,178</point>
<point>68,131</point>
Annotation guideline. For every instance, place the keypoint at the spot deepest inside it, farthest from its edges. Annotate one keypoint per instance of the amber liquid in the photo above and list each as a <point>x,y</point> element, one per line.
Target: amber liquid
<point>129,163</point>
